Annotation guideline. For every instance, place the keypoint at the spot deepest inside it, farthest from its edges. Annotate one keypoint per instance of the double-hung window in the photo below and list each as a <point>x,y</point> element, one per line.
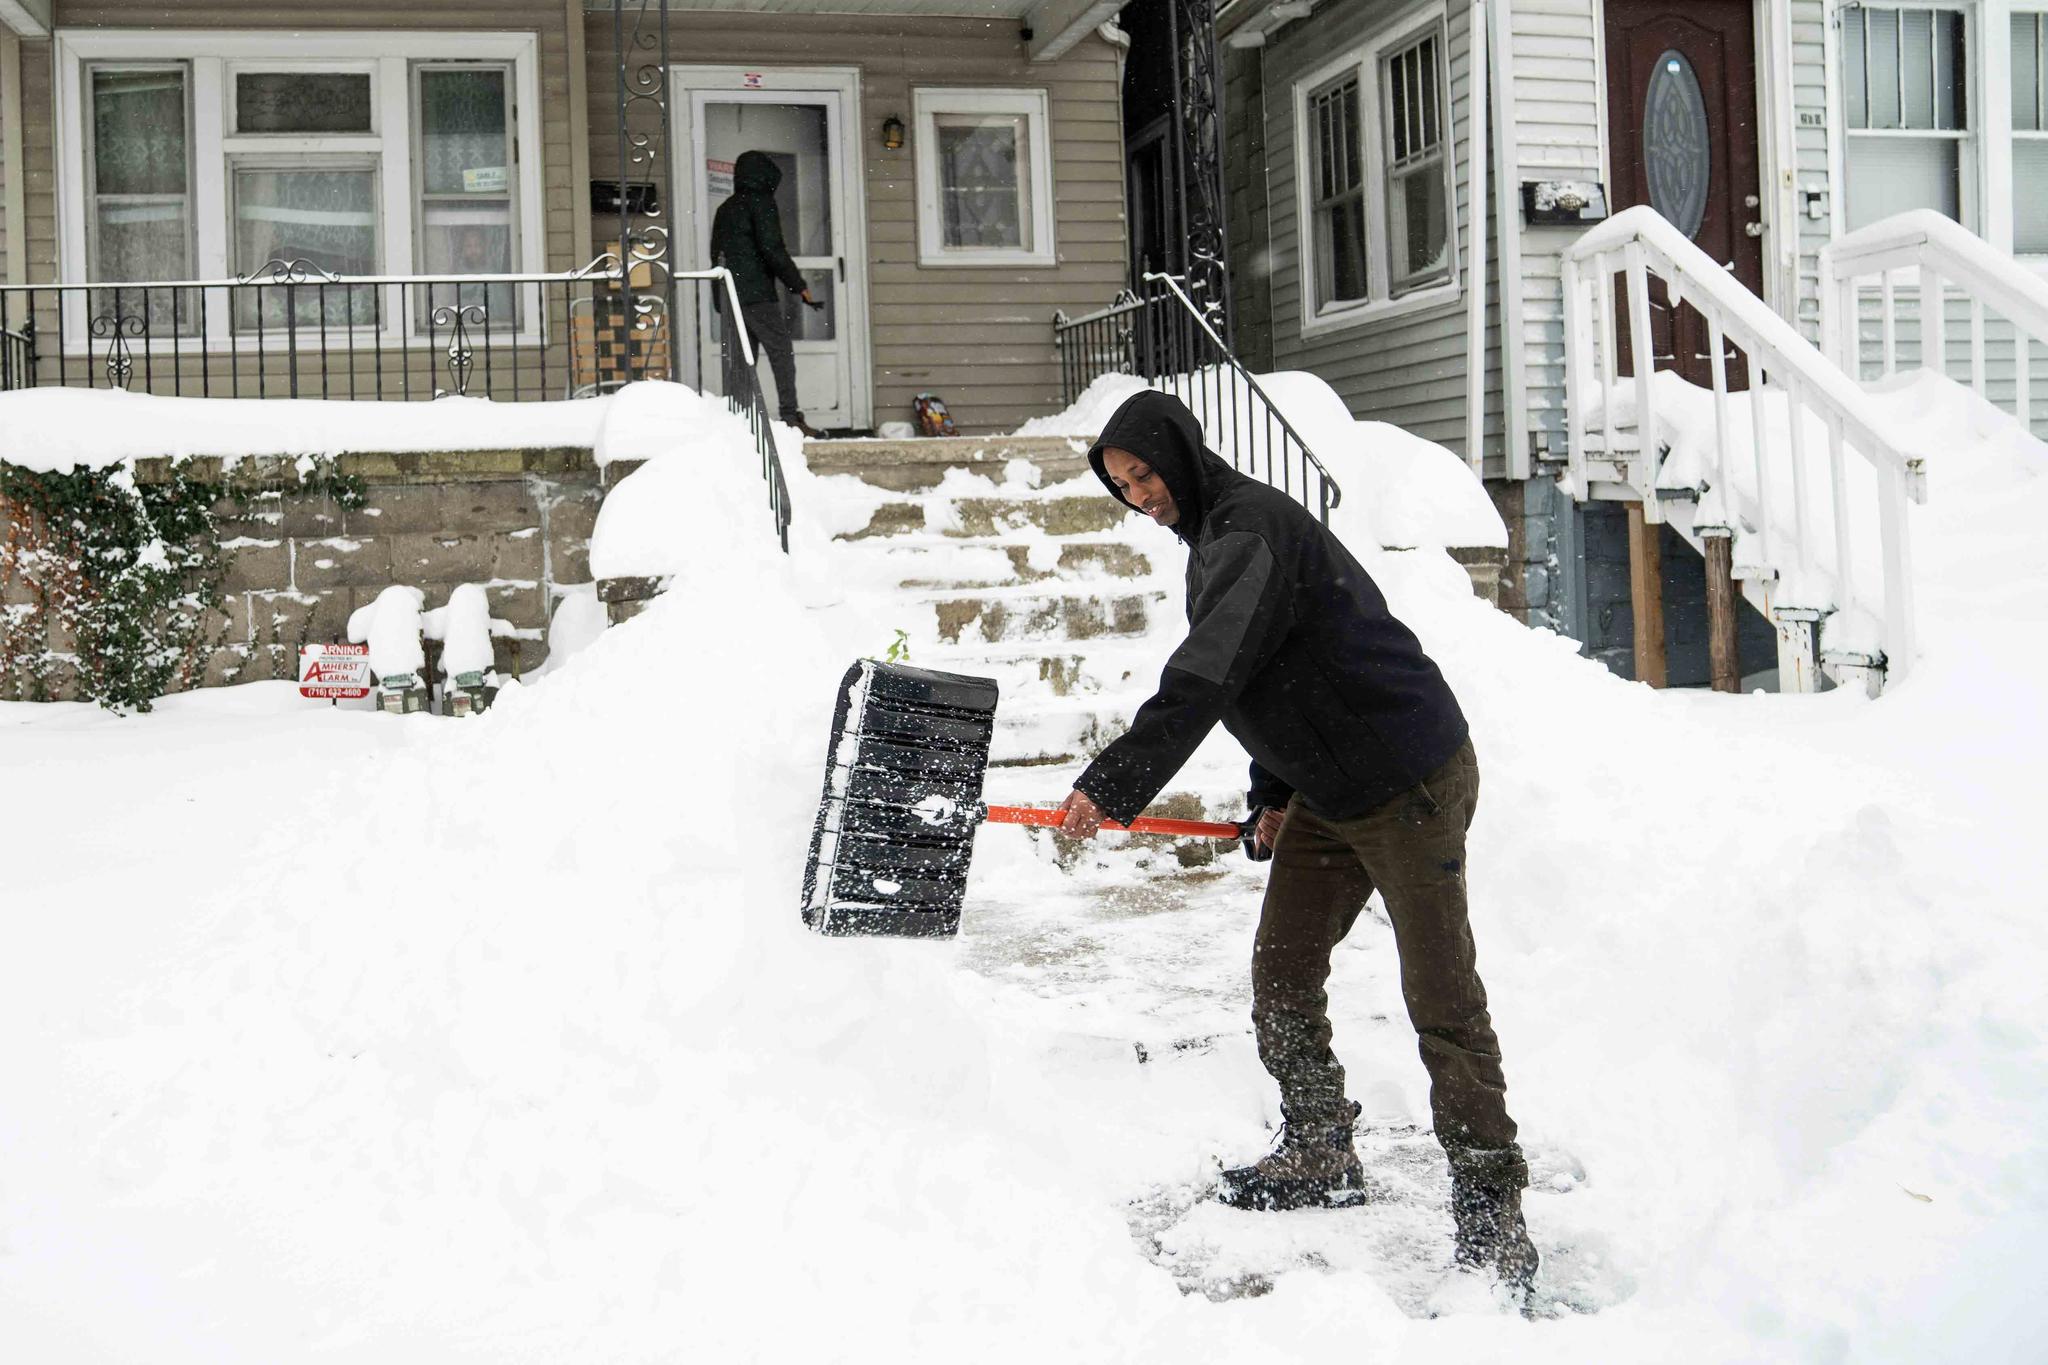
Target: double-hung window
<point>138,182</point>
<point>1373,170</point>
<point>468,221</point>
<point>1905,94</point>
<point>302,166</point>
<point>217,155</point>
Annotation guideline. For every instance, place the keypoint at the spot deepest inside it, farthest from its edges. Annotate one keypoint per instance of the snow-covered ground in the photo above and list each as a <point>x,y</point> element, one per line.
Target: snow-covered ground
<point>64,429</point>
<point>333,1036</point>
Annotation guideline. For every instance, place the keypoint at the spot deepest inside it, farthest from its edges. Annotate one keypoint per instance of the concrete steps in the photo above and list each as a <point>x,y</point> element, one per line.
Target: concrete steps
<point>996,562</point>
<point>992,517</point>
<point>918,464</point>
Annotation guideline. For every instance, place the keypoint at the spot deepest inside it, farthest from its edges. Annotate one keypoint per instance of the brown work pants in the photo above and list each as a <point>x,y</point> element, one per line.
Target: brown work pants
<point>1412,849</point>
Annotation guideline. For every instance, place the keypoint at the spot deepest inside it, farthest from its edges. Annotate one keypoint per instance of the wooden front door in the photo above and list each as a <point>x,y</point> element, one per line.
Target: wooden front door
<point>1681,115</point>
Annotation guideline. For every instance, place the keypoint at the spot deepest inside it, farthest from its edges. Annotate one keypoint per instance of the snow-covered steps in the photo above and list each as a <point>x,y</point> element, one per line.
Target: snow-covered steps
<point>1011,562</point>
<point>918,464</point>
<point>1027,612</point>
<point>941,562</point>
<point>981,516</point>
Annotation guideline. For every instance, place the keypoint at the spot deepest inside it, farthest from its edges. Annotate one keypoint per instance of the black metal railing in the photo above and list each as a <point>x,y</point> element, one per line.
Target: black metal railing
<point>293,330</point>
<point>1159,335</point>
<point>741,380</point>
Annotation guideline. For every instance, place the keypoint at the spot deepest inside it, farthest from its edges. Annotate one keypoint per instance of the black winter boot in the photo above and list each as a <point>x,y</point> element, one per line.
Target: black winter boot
<point>1313,1165</point>
<point>1486,1203</point>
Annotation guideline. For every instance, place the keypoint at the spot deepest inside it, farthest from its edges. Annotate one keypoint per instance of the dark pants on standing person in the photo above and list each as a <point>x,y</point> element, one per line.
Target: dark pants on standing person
<point>1413,849</point>
<point>770,331</point>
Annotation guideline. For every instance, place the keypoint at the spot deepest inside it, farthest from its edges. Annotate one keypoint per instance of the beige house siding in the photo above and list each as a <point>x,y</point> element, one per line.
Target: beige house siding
<point>981,338</point>
<point>548,19</point>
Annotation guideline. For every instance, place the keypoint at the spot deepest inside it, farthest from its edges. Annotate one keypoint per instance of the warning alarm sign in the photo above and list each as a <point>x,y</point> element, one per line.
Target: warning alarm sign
<point>327,671</point>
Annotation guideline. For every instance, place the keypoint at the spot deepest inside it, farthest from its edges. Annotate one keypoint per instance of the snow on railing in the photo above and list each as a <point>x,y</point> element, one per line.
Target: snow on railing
<point>1638,244</point>
<point>1942,252</point>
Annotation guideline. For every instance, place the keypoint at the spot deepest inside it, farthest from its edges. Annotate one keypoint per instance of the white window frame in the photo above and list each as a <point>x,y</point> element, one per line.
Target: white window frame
<point>232,92</point>
<point>211,55</point>
<point>1971,140</point>
<point>89,173</point>
<point>415,131</point>
<point>1365,61</point>
<point>929,101</point>
<point>1998,68</point>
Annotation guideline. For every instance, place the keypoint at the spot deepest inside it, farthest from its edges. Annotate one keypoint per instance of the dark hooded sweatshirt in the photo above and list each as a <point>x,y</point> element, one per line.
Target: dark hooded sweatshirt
<point>746,233</point>
<point>1290,645</point>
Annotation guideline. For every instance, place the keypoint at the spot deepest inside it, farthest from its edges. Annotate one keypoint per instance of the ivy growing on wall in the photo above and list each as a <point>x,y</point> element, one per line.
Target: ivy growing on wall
<point>115,580</point>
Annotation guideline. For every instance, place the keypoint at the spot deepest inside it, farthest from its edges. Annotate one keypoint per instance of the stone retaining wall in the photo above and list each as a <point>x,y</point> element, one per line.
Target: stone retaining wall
<point>516,521</point>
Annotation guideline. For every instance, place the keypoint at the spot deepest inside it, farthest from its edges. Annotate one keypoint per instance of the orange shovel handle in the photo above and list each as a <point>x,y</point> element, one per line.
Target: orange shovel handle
<point>1049,817</point>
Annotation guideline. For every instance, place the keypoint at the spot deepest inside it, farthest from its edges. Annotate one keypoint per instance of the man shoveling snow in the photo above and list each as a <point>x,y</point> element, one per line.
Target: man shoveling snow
<point>1363,776</point>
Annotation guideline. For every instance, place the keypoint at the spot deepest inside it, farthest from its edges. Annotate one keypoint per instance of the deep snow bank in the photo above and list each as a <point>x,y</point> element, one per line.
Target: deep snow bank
<point>342,1037</point>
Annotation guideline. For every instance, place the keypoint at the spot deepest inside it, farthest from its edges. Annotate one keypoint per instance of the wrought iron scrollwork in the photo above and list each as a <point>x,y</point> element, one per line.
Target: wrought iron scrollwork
<point>115,329</point>
<point>460,353</point>
<point>1198,122</point>
<point>300,271</point>
<point>647,273</point>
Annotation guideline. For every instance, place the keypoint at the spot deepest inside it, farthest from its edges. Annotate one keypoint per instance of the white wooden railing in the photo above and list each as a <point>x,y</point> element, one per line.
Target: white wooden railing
<point>1638,244</point>
<point>1943,253</point>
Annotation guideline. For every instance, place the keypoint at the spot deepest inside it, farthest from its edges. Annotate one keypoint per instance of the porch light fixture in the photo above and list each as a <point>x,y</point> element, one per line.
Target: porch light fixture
<point>892,133</point>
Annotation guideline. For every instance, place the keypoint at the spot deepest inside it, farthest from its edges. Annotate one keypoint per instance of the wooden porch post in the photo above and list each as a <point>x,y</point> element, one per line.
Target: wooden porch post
<point>1722,659</point>
<point>1646,594</point>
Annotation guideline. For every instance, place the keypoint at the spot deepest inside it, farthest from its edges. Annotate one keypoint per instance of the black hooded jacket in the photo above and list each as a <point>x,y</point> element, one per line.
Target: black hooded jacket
<point>746,232</point>
<point>1290,645</point>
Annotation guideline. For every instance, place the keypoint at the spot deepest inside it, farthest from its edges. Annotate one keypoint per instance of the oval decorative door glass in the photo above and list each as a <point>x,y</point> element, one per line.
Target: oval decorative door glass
<point>1678,156</point>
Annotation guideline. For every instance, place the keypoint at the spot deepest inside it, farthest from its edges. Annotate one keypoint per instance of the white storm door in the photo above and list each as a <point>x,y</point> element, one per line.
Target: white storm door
<point>801,128</point>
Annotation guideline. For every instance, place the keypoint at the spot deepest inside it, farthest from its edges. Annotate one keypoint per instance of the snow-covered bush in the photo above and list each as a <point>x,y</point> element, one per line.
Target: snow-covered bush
<point>127,575</point>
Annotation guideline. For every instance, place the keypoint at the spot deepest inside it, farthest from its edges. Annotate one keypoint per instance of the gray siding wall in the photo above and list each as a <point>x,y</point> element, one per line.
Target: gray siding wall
<point>1409,370</point>
<point>1810,133</point>
<point>980,338</point>
<point>1560,97</point>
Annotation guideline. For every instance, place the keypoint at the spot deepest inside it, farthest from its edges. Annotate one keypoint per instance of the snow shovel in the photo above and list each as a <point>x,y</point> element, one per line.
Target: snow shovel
<point>895,827</point>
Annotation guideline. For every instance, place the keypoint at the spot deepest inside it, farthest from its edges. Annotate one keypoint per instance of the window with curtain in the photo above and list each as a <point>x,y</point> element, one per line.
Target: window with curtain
<point>140,186</point>
<point>1906,101</point>
<point>1417,190</point>
<point>1337,190</point>
<point>2030,133</point>
<point>462,119</point>
<point>322,212</point>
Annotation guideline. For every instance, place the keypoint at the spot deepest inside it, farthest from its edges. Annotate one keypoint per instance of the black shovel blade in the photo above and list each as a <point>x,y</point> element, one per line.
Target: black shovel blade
<point>895,826</point>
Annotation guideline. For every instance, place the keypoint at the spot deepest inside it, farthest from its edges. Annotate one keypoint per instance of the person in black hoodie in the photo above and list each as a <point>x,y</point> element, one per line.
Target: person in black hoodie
<point>746,238</point>
<point>1363,775</point>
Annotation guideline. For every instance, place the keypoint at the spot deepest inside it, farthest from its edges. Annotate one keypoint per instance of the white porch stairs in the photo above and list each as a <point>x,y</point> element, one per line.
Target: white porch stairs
<point>1804,500</point>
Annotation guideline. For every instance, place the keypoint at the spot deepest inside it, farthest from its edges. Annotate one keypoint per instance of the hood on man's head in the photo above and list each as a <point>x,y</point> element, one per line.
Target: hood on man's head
<point>1158,429</point>
<point>756,171</point>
